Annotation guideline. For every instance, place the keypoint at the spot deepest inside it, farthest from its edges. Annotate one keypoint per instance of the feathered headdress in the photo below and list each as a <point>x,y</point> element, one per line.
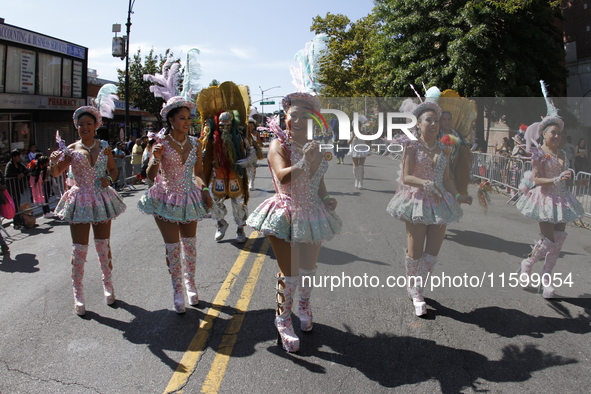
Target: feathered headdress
<point>166,84</point>
<point>532,135</point>
<point>429,104</point>
<point>103,105</point>
<point>551,117</point>
<point>305,78</point>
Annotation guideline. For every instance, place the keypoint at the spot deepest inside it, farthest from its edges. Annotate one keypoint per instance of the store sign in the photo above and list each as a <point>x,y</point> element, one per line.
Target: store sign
<point>16,101</point>
<point>14,34</point>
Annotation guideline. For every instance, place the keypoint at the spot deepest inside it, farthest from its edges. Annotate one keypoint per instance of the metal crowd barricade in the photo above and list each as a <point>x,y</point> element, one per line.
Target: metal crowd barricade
<point>507,172</point>
<point>21,193</point>
<point>502,171</point>
<point>127,176</point>
<point>583,193</point>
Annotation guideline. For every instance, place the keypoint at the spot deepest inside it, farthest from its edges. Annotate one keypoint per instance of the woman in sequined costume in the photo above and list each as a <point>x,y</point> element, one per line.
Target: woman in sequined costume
<point>547,200</point>
<point>425,201</point>
<point>90,201</point>
<point>175,200</point>
<point>358,153</point>
<point>299,217</point>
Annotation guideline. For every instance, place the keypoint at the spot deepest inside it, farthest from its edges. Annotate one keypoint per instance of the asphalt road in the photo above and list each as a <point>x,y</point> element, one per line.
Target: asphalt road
<point>480,334</point>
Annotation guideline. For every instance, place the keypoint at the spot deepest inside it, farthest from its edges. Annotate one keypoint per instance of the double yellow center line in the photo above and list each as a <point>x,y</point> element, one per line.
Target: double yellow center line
<point>191,357</point>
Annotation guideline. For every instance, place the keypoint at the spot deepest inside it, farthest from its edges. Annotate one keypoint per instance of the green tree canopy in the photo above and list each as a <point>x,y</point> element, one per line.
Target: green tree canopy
<point>345,69</point>
<point>480,48</point>
<point>139,90</point>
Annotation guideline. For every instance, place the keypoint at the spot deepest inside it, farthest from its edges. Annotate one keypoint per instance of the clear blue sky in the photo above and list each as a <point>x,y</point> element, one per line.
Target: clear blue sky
<point>249,42</point>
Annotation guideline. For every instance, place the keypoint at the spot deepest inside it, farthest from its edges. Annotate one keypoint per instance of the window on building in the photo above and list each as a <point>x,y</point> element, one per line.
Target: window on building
<point>66,78</point>
<point>20,67</point>
<point>2,48</point>
<point>77,79</point>
<point>50,69</point>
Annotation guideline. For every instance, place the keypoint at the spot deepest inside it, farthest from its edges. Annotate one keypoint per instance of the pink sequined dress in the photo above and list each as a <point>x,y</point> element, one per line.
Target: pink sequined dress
<point>296,213</point>
<point>87,201</point>
<point>551,203</point>
<point>175,197</point>
<point>412,204</point>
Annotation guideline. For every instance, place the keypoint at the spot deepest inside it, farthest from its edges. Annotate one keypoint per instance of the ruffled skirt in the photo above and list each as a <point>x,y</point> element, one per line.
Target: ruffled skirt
<point>411,205</point>
<point>171,206</point>
<point>278,217</point>
<point>90,205</point>
<point>541,207</point>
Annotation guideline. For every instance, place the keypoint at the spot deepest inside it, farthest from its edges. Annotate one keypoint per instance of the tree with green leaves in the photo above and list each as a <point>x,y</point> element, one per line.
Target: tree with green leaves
<point>139,89</point>
<point>345,70</point>
<point>473,47</point>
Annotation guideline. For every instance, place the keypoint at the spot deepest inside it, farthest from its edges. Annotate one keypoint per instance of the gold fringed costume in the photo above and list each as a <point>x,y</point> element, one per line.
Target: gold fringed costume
<point>464,113</point>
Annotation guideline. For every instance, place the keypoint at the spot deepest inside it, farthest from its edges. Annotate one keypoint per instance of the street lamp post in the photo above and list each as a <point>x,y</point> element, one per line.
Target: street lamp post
<point>263,98</point>
<point>128,25</point>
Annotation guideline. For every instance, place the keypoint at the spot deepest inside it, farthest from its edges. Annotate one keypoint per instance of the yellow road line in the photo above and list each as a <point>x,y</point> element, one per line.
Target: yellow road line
<point>214,378</point>
<point>191,357</point>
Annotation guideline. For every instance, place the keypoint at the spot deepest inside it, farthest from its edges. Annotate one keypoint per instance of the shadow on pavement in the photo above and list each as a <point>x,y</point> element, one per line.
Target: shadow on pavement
<point>160,330</point>
<point>330,256</point>
<point>478,240</point>
<point>395,361</point>
<point>24,262</point>
<point>495,320</point>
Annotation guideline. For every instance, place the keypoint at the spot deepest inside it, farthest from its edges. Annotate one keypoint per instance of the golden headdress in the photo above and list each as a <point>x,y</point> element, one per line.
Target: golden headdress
<point>463,111</point>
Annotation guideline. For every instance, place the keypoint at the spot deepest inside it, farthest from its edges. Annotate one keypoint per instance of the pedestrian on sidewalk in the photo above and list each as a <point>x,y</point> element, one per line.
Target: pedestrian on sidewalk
<point>40,182</point>
<point>3,200</point>
<point>16,174</point>
<point>425,201</point>
<point>119,157</point>
<point>253,135</point>
<point>90,201</point>
<point>299,217</point>
<point>548,200</point>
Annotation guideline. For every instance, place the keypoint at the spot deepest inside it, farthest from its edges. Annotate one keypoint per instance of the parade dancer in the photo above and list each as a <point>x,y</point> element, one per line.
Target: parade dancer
<point>459,153</point>
<point>546,197</point>
<point>426,200</point>
<point>90,201</point>
<point>228,154</point>
<point>175,200</point>
<point>254,138</point>
<point>358,152</point>
<point>299,217</point>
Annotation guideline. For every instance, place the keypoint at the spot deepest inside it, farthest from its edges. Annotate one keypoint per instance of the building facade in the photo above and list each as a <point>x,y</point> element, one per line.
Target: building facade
<point>577,41</point>
<point>42,81</point>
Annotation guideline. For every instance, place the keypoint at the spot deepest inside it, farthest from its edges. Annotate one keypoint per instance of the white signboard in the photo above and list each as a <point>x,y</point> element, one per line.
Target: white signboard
<point>77,79</point>
<point>14,34</point>
<point>27,72</point>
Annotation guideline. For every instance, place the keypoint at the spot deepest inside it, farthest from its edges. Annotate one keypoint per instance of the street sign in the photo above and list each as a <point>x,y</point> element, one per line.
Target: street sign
<point>267,102</point>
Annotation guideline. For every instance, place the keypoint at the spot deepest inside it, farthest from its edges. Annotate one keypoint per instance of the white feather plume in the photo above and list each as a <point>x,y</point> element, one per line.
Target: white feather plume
<point>550,108</point>
<point>192,74</point>
<point>166,83</point>
<point>105,100</point>
<point>305,78</point>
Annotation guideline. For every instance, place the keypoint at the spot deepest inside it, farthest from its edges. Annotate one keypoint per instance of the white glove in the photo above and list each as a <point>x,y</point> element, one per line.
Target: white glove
<point>243,163</point>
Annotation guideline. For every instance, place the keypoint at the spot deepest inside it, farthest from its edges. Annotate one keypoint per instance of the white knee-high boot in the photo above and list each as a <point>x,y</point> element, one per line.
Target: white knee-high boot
<point>189,262</point>
<point>173,254</point>
<point>305,290</point>
<point>285,289</point>
<point>79,253</point>
<point>539,251</point>
<point>550,263</point>
<point>103,250</point>
<point>412,286</point>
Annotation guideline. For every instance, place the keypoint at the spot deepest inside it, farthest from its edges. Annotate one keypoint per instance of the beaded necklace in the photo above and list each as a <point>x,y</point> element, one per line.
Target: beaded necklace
<point>181,144</point>
<point>88,148</point>
<point>430,149</point>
